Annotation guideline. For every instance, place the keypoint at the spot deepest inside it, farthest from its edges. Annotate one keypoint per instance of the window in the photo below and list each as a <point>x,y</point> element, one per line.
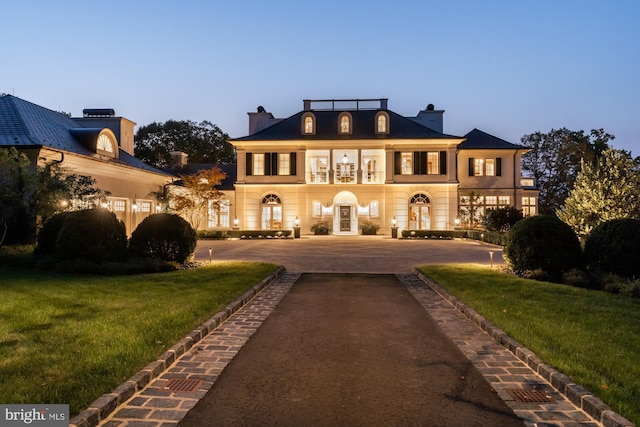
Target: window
<point>104,143</point>
<point>528,206</point>
<point>344,124</point>
<point>218,214</point>
<point>490,169</point>
<point>504,200</point>
<point>374,211</point>
<point>271,212</point>
<point>419,212</point>
<point>407,163</point>
<point>420,163</point>
<point>283,164</point>
<point>485,167</point>
<point>382,123</point>
<point>432,163</point>
<point>145,207</point>
<point>258,164</point>
<point>119,205</point>
<point>318,166</point>
<point>308,124</point>
<point>316,208</point>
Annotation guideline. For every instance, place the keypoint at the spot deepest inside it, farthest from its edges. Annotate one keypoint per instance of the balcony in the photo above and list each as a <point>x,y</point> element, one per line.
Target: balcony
<point>318,177</point>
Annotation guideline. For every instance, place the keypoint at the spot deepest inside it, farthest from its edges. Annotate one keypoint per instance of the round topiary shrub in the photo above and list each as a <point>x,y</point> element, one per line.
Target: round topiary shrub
<point>614,247</point>
<point>94,235</point>
<point>545,243</point>
<point>166,237</point>
<point>46,242</point>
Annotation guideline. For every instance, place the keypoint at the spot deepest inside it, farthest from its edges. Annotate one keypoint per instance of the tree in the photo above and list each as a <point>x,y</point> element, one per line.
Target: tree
<point>197,195</point>
<point>16,187</point>
<point>556,158</point>
<point>502,218</point>
<point>203,142</point>
<point>605,190</point>
<point>469,210</point>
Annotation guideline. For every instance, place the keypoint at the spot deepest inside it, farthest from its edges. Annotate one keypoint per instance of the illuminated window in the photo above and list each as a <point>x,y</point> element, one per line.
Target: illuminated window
<point>318,166</point>
<point>271,212</point>
<point>374,210</point>
<point>344,123</point>
<point>419,212</point>
<point>317,208</point>
<point>308,124</point>
<point>490,167</point>
<point>504,200</point>
<point>407,163</point>
<point>528,206</point>
<point>382,122</point>
<point>258,164</point>
<point>105,144</point>
<point>218,214</point>
<point>433,163</point>
<point>283,164</point>
<point>119,205</point>
<point>145,207</point>
<point>478,167</point>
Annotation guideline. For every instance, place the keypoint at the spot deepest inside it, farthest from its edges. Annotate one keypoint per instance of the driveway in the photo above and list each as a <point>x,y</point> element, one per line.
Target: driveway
<point>350,254</point>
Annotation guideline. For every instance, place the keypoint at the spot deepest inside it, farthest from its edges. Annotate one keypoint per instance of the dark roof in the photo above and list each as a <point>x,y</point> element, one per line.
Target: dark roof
<point>24,124</point>
<point>477,139</point>
<point>363,127</point>
<point>226,184</point>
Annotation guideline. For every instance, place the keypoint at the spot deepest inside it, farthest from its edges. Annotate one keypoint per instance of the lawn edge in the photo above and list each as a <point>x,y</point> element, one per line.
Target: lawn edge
<point>106,404</point>
<point>575,393</point>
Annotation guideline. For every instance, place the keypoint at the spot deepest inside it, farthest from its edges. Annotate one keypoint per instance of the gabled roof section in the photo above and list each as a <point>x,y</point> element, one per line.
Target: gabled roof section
<point>24,124</point>
<point>477,140</point>
<point>363,127</point>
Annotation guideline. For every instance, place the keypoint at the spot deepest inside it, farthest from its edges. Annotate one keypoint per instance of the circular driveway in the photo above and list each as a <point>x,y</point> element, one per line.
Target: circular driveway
<point>350,254</point>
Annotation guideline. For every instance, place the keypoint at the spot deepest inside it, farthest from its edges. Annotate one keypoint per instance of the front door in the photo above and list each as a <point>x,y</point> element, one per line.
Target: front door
<point>345,218</point>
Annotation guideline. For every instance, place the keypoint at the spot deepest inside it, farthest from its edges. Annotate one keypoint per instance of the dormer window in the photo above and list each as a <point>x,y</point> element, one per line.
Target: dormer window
<point>382,123</point>
<point>344,124</point>
<point>308,124</point>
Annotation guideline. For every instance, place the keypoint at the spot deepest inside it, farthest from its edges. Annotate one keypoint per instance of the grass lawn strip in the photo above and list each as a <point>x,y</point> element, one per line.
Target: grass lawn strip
<point>71,338</point>
<point>591,336</point>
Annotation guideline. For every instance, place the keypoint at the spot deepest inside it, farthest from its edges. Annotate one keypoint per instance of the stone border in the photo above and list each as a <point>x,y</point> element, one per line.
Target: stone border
<point>102,407</point>
<point>575,393</point>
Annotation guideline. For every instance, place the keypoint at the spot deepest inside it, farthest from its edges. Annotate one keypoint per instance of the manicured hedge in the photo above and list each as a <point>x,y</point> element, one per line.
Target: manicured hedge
<point>165,237</point>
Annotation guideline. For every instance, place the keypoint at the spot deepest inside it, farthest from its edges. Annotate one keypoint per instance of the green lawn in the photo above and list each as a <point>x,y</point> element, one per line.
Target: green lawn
<point>71,338</point>
<point>592,336</point>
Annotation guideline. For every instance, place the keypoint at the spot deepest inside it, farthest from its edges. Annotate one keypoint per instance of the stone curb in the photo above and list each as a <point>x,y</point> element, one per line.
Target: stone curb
<point>102,407</point>
<point>575,393</point>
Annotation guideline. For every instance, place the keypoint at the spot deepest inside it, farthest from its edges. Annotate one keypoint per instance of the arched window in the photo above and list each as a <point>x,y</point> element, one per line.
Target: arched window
<point>271,212</point>
<point>382,123</point>
<point>420,212</point>
<point>344,124</point>
<point>308,124</point>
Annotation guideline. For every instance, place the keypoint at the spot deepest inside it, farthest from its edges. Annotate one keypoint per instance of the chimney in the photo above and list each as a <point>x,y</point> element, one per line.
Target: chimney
<point>259,120</point>
<point>431,118</point>
<point>178,160</point>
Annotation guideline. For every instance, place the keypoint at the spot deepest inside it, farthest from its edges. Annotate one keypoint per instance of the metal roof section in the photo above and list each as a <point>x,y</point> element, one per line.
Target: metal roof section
<point>24,124</point>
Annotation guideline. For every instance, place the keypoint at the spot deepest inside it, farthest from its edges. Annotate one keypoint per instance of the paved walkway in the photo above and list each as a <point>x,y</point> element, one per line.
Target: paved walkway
<point>162,395</point>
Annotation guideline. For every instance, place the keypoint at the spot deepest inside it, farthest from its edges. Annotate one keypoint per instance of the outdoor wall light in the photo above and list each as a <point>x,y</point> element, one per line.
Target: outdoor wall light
<point>236,221</point>
<point>296,221</point>
<point>456,221</point>
<point>394,221</point>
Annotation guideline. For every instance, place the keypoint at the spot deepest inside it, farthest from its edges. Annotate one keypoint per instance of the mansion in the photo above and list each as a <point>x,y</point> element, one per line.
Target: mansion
<point>344,163</point>
<point>347,162</point>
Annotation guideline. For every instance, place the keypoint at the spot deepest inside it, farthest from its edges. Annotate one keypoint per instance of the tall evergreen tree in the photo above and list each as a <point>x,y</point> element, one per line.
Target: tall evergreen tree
<point>604,190</point>
<point>556,158</point>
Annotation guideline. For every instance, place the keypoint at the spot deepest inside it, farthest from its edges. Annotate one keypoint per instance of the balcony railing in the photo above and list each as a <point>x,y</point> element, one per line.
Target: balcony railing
<point>375,177</point>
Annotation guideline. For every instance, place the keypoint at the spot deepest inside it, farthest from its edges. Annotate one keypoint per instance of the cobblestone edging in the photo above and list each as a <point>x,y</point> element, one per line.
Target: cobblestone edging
<point>106,404</point>
<point>575,393</point>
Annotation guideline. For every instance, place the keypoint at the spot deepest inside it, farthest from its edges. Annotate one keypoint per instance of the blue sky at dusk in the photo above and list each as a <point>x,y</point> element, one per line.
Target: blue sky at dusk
<point>506,67</point>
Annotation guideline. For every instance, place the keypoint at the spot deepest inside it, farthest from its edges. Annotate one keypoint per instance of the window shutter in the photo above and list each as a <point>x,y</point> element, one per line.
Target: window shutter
<point>443,163</point>
<point>423,163</point>
<point>416,163</point>
<point>249,164</point>
<point>267,163</point>
<point>471,161</point>
<point>499,166</point>
<point>292,164</point>
<point>274,164</point>
<point>397,163</point>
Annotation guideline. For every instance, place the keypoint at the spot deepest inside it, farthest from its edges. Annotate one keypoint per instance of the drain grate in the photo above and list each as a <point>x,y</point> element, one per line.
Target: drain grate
<point>527,395</point>
<point>182,385</point>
